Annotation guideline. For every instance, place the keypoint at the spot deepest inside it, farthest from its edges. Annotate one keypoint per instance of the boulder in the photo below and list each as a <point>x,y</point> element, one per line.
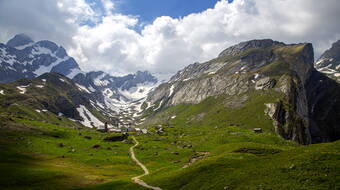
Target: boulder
<point>265,83</point>
<point>258,130</point>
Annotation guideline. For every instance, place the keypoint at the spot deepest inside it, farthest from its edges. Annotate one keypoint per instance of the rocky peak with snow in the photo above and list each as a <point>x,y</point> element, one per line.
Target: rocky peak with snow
<point>120,97</point>
<point>116,97</point>
<point>19,40</point>
<point>329,62</point>
<point>21,57</point>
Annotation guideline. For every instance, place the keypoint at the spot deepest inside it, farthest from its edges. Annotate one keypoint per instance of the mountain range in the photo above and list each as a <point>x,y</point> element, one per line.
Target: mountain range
<point>118,97</point>
<point>305,108</point>
<point>238,121</point>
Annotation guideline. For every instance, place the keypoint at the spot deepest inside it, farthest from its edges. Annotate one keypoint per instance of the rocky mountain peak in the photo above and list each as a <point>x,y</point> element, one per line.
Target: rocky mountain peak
<point>236,49</point>
<point>19,40</point>
<point>329,62</point>
<point>145,76</point>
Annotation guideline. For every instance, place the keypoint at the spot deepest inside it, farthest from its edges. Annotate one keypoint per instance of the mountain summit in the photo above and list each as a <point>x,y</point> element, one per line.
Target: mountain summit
<point>254,81</point>
<point>19,40</point>
<point>21,57</point>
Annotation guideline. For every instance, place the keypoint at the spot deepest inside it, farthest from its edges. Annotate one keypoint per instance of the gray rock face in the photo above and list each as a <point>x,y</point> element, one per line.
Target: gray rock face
<point>323,100</point>
<point>329,62</point>
<point>253,44</point>
<point>299,115</point>
<point>226,74</point>
<point>265,83</point>
<point>19,40</point>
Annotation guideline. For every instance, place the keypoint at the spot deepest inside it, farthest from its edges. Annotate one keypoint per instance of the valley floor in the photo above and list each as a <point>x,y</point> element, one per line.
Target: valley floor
<point>38,155</point>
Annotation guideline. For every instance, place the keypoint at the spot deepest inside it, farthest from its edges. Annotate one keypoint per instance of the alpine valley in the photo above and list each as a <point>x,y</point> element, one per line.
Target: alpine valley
<point>261,115</point>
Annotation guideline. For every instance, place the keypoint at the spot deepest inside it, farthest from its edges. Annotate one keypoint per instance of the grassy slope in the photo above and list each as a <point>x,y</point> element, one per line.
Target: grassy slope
<point>238,158</point>
<point>31,158</point>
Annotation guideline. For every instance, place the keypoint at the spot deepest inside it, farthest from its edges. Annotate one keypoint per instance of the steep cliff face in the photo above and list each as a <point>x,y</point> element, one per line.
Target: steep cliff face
<point>257,67</point>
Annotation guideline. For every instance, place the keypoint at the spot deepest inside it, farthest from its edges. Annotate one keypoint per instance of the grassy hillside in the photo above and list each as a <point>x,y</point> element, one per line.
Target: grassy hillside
<point>38,155</point>
<point>227,153</point>
<point>210,145</point>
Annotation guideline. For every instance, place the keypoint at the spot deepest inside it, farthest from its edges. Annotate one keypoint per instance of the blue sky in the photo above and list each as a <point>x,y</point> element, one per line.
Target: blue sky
<point>149,10</point>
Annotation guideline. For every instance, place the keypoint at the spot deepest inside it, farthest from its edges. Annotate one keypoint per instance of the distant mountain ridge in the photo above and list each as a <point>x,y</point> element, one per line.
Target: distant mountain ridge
<point>329,62</point>
<point>21,57</point>
<point>118,97</point>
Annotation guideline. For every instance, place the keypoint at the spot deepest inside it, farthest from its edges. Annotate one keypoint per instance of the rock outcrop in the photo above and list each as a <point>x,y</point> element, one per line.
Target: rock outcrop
<point>265,83</point>
<point>263,65</point>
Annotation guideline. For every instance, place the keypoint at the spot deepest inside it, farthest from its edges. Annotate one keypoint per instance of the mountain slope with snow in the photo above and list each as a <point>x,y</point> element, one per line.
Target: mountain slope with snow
<point>21,57</point>
<point>51,95</point>
<point>329,62</point>
<point>117,97</point>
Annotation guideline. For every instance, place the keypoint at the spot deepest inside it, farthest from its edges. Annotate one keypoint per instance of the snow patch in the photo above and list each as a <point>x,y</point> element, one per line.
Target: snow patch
<point>138,92</point>
<point>159,106</point>
<point>83,88</point>
<point>45,69</point>
<point>23,89</point>
<point>320,61</point>
<point>173,117</point>
<point>37,50</point>
<point>2,92</point>
<point>108,92</point>
<point>38,111</point>
<point>99,82</point>
<point>39,86</point>
<point>10,59</point>
<point>89,120</point>
<point>24,46</point>
<point>171,90</point>
<point>91,89</point>
<point>100,105</point>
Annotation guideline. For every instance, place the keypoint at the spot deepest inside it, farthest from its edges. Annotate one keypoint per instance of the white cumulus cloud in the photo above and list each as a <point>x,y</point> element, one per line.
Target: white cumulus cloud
<point>107,40</point>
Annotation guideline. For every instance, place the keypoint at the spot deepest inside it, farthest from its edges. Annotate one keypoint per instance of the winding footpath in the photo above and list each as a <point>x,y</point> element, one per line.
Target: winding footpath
<point>137,179</point>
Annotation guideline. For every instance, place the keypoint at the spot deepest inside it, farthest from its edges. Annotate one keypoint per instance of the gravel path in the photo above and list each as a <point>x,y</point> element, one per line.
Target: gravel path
<point>137,179</point>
